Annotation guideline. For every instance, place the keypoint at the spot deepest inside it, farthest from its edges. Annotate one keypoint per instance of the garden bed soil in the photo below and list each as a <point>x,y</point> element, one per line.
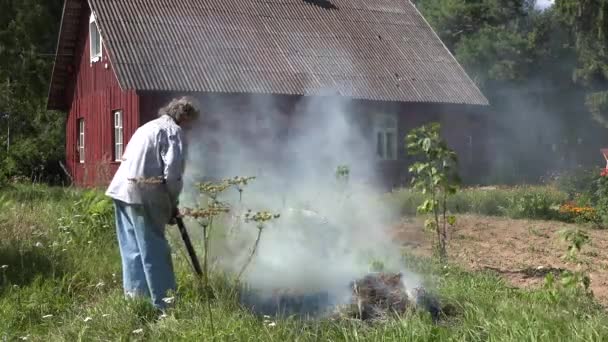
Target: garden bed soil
<point>521,251</point>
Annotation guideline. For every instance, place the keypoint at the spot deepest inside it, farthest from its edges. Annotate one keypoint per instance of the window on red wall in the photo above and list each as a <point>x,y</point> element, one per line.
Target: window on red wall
<point>81,140</point>
<point>118,135</point>
<point>385,129</point>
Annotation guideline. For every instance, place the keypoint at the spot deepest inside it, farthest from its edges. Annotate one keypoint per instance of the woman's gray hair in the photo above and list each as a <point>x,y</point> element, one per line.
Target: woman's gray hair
<point>179,108</point>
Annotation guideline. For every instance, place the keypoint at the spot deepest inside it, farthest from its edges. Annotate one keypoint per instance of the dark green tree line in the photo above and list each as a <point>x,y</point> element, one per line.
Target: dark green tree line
<point>544,73</point>
<point>30,136</point>
<point>588,23</point>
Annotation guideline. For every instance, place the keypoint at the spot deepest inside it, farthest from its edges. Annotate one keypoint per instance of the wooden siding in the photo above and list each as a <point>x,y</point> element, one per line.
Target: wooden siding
<point>94,94</point>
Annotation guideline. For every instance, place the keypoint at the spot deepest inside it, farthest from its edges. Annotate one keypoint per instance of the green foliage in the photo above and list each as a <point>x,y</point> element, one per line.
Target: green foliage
<point>588,22</point>
<point>574,198</point>
<point>531,205</point>
<point>525,62</point>
<point>91,209</point>
<point>86,282</point>
<point>567,283</point>
<point>576,239</point>
<point>577,282</point>
<point>456,19</point>
<point>496,54</point>
<point>516,202</point>
<point>579,184</point>
<point>28,34</point>
<point>436,176</point>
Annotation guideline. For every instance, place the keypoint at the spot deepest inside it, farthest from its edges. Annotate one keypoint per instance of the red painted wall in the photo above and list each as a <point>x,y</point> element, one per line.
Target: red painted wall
<point>93,94</point>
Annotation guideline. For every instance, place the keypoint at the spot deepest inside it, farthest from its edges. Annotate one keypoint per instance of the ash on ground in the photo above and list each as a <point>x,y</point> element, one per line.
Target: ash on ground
<point>377,296</point>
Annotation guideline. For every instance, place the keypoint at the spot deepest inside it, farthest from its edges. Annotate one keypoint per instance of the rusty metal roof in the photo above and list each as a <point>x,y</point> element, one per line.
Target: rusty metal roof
<point>365,49</point>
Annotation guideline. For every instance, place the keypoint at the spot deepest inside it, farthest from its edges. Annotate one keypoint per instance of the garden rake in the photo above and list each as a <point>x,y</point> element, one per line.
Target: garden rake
<point>189,247</point>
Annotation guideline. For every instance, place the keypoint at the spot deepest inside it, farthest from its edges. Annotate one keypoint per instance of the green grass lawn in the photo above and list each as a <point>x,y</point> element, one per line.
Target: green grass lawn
<point>62,283</point>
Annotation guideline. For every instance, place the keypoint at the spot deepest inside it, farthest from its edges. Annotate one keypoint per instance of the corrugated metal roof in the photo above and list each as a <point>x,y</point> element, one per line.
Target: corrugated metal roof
<point>372,49</point>
<point>66,44</point>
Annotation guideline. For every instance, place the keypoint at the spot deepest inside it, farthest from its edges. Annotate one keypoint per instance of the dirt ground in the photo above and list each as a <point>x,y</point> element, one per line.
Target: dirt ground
<point>522,251</point>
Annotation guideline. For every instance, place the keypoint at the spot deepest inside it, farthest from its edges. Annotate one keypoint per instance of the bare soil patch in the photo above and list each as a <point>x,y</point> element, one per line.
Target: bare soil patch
<point>522,251</point>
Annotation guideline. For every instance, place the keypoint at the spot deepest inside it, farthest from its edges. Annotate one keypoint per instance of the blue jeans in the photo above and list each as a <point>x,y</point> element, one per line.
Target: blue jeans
<point>147,268</point>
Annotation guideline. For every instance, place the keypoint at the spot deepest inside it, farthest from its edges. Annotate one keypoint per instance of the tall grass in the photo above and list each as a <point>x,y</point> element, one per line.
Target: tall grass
<point>533,202</point>
<point>57,267</point>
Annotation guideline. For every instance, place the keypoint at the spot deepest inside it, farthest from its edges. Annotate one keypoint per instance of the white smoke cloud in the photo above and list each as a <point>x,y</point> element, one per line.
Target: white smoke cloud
<point>327,234</point>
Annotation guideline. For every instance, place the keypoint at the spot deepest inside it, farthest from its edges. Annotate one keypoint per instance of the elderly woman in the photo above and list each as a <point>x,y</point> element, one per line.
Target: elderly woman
<point>146,190</point>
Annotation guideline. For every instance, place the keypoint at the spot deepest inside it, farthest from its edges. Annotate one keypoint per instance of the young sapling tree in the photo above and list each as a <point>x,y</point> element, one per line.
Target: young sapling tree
<point>436,176</point>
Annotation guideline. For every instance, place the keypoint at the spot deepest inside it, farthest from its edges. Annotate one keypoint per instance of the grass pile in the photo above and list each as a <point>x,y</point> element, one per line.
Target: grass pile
<point>60,280</point>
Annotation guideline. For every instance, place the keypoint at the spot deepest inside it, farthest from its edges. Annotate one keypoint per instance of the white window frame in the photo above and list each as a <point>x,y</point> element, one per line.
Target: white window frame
<point>118,134</point>
<point>95,40</point>
<point>385,129</point>
<point>81,140</point>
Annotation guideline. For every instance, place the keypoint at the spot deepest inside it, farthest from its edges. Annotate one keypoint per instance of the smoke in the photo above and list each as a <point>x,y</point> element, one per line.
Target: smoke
<point>538,131</point>
<point>329,229</point>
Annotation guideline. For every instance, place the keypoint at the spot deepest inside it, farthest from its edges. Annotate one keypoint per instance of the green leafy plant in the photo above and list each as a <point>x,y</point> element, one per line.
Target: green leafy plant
<point>576,239</point>
<point>570,281</point>
<point>567,281</point>
<point>531,205</point>
<point>89,218</point>
<point>436,176</point>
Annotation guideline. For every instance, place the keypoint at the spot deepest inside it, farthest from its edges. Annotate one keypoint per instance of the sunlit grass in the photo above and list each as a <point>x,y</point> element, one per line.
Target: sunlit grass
<point>57,289</point>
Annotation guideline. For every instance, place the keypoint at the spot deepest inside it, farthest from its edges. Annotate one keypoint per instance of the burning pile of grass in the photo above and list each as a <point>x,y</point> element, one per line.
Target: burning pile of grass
<point>374,297</point>
<point>379,295</point>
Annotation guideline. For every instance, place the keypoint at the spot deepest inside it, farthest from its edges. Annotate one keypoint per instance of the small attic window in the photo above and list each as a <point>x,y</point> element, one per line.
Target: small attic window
<point>95,38</point>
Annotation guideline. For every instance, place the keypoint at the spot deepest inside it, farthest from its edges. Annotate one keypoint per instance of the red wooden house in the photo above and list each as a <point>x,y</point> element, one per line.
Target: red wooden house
<point>118,61</point>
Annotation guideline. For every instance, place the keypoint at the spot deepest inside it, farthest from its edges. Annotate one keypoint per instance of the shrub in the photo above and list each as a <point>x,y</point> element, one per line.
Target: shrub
<point>91,218</point>
<point>542,202</point>
<point>579,184</point>
<point>532,205</point>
